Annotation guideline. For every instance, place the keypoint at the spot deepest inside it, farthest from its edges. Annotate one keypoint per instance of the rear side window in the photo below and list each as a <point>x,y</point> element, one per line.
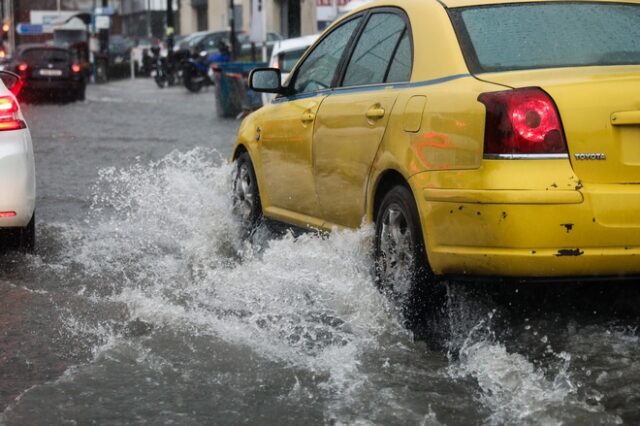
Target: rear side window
<point>548,35</point>
<point>48,56</point>
<point>375,49</point>
<point>400,69</point>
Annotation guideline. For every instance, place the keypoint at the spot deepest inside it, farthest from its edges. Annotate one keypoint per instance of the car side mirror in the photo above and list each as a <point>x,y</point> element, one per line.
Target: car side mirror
<point>265,80</point>
<point>12,81</point>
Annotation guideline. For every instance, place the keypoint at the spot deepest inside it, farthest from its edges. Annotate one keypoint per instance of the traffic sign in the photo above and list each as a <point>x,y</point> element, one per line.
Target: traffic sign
<point>25,28</point>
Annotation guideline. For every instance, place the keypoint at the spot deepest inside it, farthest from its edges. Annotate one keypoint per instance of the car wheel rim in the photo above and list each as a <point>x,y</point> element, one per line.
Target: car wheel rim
<point>243,195</point>
<point>396,261</point>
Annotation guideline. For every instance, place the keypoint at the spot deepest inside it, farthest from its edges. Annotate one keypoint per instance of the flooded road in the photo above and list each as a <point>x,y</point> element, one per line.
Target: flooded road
<point>142,304</point>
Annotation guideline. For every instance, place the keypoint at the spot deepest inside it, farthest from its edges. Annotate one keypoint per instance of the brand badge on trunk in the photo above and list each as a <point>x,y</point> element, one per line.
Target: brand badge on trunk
<point>590,156</point>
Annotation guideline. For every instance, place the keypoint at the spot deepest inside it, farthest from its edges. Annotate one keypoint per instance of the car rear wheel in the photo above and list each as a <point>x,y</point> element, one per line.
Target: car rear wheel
<point>80,93</point>
<point>246,197</point>
<point>27,236</point>
<point>402,270</point>
<point>21,239</point>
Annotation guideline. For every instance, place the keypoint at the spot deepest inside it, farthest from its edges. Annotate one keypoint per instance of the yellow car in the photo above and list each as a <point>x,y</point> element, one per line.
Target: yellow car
<point>481,138</point>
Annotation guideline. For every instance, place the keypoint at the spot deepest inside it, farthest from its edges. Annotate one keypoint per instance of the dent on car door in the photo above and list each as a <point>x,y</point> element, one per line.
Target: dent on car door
<point>351,121</point>
<point>287,131</point>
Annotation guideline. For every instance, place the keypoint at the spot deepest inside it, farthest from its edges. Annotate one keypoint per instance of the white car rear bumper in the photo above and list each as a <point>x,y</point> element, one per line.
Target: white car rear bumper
<point>17,178</point>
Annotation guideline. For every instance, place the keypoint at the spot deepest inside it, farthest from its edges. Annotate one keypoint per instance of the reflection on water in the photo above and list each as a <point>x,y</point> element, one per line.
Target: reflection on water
<point>162,314</point>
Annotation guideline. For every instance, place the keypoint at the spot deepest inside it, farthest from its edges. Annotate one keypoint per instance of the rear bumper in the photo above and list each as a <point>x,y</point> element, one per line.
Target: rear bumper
<point>590,231</point>
<point>53,85</point>
<point>17,178</point>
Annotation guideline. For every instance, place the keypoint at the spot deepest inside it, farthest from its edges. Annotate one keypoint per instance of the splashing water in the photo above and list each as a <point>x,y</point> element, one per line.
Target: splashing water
<point>160,245</point>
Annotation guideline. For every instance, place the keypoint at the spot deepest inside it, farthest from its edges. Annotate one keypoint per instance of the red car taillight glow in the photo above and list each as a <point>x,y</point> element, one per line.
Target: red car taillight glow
<point>23,67</point>
<point>9,119</point>
<point>522,121</point>
<point>75,68</point>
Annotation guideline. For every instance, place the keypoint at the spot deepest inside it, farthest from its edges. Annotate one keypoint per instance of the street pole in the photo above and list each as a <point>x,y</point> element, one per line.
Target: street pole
<point>264,31</point>
<point>170,29</point>
<point>12,27</point>
<point>148,19</point>
<point>232,32</point>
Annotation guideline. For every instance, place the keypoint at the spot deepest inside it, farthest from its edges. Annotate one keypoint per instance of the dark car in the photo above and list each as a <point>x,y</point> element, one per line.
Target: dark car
<point>209,42</point>
<point>51,72</point>
<point>120,49</point>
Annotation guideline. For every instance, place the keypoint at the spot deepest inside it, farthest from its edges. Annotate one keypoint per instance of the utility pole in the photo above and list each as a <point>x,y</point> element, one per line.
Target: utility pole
<point>232,32</point>
<point>12,26</point>
<point>170,28</point>
<point>104,35</point>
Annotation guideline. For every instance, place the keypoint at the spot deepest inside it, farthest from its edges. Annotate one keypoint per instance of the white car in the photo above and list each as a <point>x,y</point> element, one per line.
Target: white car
<point>17,172</point>
<point>285,55</point>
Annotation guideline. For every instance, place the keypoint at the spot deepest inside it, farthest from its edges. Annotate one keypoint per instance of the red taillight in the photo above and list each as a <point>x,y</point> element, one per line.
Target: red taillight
<point>23,67</point>
<point>9,119</point>
<point>7,214</point>
<point>522,121</point>
<point>75,68</point>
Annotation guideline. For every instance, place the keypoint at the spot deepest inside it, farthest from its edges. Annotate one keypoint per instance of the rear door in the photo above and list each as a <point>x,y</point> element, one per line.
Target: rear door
<point>352,120</point>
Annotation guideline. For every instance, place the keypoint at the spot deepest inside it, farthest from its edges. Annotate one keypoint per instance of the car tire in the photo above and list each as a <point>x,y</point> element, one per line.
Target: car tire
<point>402,269</point>
<point>80,93</point>
<point>27,236</point>
<point>19,239</point>
<point>246,196</point>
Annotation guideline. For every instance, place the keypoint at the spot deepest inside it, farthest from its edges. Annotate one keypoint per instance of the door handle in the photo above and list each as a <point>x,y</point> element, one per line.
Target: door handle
<point>375,112</point>
<point>308,117</point>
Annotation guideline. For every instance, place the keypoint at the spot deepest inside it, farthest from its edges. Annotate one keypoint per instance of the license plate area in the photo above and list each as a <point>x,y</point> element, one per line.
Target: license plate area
<point>51,73</point>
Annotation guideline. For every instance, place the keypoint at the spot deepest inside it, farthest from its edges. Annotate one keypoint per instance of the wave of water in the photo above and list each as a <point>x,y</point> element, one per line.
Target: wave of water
<point>161,241</point>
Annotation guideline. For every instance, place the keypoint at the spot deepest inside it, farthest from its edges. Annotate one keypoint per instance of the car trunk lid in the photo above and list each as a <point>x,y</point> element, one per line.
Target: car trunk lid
<point>600,112</point>
<point>48,63</point>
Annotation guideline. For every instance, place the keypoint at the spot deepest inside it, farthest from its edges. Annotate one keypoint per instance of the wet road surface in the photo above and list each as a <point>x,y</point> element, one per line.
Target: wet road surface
<point>142,305</point>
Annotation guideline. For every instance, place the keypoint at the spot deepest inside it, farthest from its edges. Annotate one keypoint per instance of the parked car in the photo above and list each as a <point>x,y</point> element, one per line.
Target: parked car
<point>245,44</point>
<point>285,55</point>
<point>49,71</point>
<point>209,42</point>
<point>475,152</point>
<point>120,49</point>
<point>17,171</point>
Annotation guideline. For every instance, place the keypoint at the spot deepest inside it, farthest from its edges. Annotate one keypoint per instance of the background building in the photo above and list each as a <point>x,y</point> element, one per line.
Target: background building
<point>48,12</point>
<point>291,18</point>
<point>146,18</point>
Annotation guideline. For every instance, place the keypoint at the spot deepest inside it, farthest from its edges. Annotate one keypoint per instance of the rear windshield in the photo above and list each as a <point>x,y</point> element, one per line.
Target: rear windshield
<point>548,35</point>
<point>51,56</point>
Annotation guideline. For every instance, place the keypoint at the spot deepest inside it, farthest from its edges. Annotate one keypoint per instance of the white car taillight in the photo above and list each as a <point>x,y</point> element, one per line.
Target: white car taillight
<point>9,119</point>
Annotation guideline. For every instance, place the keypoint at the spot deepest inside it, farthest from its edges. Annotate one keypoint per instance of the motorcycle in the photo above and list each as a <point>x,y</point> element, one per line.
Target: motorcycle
<point>160,69</point>
<point>197,71</point>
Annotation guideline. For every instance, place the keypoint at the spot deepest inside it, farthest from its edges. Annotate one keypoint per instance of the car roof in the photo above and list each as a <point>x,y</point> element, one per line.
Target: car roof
<point>464,3</point>
<point>25,47</point>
